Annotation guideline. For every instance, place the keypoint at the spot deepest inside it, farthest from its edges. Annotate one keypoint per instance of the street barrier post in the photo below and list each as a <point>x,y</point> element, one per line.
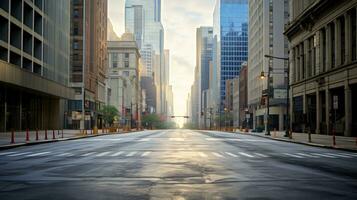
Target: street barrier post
<point>27,135</point>
<point>46,138</point>
<point>12,136</point>
<point>62,133</point>
<point>53,134</point>
<point>36,134</point>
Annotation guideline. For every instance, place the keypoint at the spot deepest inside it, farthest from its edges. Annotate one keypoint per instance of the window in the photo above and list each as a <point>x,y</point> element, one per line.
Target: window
<point>75,13</point>
<point>126,73</point>
<point>75,45</point>
<point>114,60</point>
<point>343,39</point>
<point>126,55</point>
<point>126,64</point>
<point>353,27</point>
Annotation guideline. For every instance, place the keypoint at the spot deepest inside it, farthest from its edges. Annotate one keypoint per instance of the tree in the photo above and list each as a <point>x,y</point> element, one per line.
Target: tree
<point>151,120</point>
<point>110,114</point>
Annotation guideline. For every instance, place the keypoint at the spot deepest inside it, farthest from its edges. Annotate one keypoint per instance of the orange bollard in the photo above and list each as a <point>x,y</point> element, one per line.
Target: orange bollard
<point>27,135</point>
<point>46,138</point>
<point>12,136</point>
<point>36,134</point>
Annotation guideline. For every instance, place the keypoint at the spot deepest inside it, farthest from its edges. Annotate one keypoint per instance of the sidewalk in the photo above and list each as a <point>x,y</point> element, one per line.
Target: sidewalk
<point>20,136</point>
<point>343,143</point>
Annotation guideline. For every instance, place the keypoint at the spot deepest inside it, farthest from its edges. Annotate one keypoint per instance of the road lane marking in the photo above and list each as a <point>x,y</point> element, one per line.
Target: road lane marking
<point>202,154</point>
<point>38,154</point>
<point>232,154</point>
<point>131,154</point>
<point>218,155</point>
<point>177,139</point>
<point>103,154</point>
<point>261,155</point>
<point>308,155</point>
<point>293,155</point>
<point>214,139</point>
<point>323,155</point>
<point>144,140</point>
<point>88,154</point>
<point>338,155</point>
<point>7,153</point>
<point>117,153</point>
<point>19,154</point>
<point>246,155</point>
<point>349,154</point>
<point>145,153</point>
<point>65,154</point>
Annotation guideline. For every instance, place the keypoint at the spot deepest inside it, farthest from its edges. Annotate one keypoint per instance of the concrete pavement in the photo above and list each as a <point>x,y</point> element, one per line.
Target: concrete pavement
<point>177,164</point>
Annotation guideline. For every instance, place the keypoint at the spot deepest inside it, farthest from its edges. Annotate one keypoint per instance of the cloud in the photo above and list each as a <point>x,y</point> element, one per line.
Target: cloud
<point>180,19</point>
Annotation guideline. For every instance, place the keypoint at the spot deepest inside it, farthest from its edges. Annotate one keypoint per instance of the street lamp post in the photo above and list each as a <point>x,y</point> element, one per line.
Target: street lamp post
<point>287,120</point>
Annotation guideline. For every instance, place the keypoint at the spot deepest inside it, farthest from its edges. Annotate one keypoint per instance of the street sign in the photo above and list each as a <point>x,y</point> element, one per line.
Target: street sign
<point>280,94</point>
<point>335,102</point>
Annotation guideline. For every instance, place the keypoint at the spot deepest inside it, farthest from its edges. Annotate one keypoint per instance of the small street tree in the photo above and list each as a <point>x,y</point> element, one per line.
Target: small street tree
<point>110,114</point>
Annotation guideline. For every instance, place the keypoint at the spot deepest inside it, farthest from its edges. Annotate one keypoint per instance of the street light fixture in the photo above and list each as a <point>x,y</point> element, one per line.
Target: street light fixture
<point>287,121</point>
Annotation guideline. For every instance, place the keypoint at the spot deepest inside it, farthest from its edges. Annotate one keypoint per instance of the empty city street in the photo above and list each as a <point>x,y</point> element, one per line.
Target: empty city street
<point>177,164</point>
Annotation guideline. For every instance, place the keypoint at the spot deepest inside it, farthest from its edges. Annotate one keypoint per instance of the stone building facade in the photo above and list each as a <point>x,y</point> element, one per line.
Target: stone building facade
<point>323,66</point>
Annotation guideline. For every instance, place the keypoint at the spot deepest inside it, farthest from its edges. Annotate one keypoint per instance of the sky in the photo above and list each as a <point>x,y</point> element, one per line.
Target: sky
<point>180,19</point>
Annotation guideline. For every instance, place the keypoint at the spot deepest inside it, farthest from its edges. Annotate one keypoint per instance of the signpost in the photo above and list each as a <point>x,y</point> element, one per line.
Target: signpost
<point>335,107</point>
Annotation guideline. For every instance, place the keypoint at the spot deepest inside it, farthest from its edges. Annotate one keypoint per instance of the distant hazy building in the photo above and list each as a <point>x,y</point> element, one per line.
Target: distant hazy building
<point>88,62</point>
<point>266,27</point>
<point>245,118</point>
<point>34,64</point>
<point>323,69</point>
<point>204,42</point>
<point>123,72</point>
<point>143,19</point>
<point>230,29</point>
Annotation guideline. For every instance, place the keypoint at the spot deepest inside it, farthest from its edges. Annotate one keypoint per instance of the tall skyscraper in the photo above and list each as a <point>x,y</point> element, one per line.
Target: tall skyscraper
<point>143,19</point>
<point>204,44</point>
<point>230,28</point>
<point>266,27</point>
<point>88,64</point>
<point>34,64</point>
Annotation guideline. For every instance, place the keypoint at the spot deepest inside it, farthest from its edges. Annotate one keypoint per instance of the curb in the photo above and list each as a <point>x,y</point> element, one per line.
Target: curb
<point>11,146</point>
<point>303,143</point>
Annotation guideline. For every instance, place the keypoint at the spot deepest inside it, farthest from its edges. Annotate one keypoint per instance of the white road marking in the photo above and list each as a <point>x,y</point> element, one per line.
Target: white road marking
<point>202,154</point>
<point>145,153</point>
<point>65,154</point>
<point>323,155</point>
<point>261,155</point>
<point>38,154</point>
<point>19,154</point>
<point>103,154</point>
<point>117,153</point>
<point>246,155</point>
<point>213,139</point>
<point>349,154</point>
<point>292,155</point>
<point>232,154</point>
<point>177,139</point>
<point>308,155</point>
<point>131,154</point>
<point>144,140</point>
<point>88,154</point>
<point>338,155</point>
<point>7,153</point>
<point>218,155</point>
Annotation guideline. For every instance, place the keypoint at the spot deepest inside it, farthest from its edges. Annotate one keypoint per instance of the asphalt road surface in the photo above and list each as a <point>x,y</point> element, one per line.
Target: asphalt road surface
<point>179,165</point>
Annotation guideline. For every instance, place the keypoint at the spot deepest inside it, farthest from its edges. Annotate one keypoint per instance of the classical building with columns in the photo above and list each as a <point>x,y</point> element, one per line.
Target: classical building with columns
<point>323,66</point>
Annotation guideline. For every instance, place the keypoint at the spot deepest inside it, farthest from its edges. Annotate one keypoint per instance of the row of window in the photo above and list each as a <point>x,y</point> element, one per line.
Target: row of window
<point>322,52</point>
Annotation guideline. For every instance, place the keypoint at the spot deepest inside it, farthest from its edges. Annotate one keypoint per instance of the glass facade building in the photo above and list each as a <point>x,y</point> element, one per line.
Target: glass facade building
<point>230,27</point>
<point>143,19</point>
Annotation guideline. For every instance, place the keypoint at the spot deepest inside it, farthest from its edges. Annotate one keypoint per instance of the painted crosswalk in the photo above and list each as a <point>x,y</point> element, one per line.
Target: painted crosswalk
<point>199,154</point>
